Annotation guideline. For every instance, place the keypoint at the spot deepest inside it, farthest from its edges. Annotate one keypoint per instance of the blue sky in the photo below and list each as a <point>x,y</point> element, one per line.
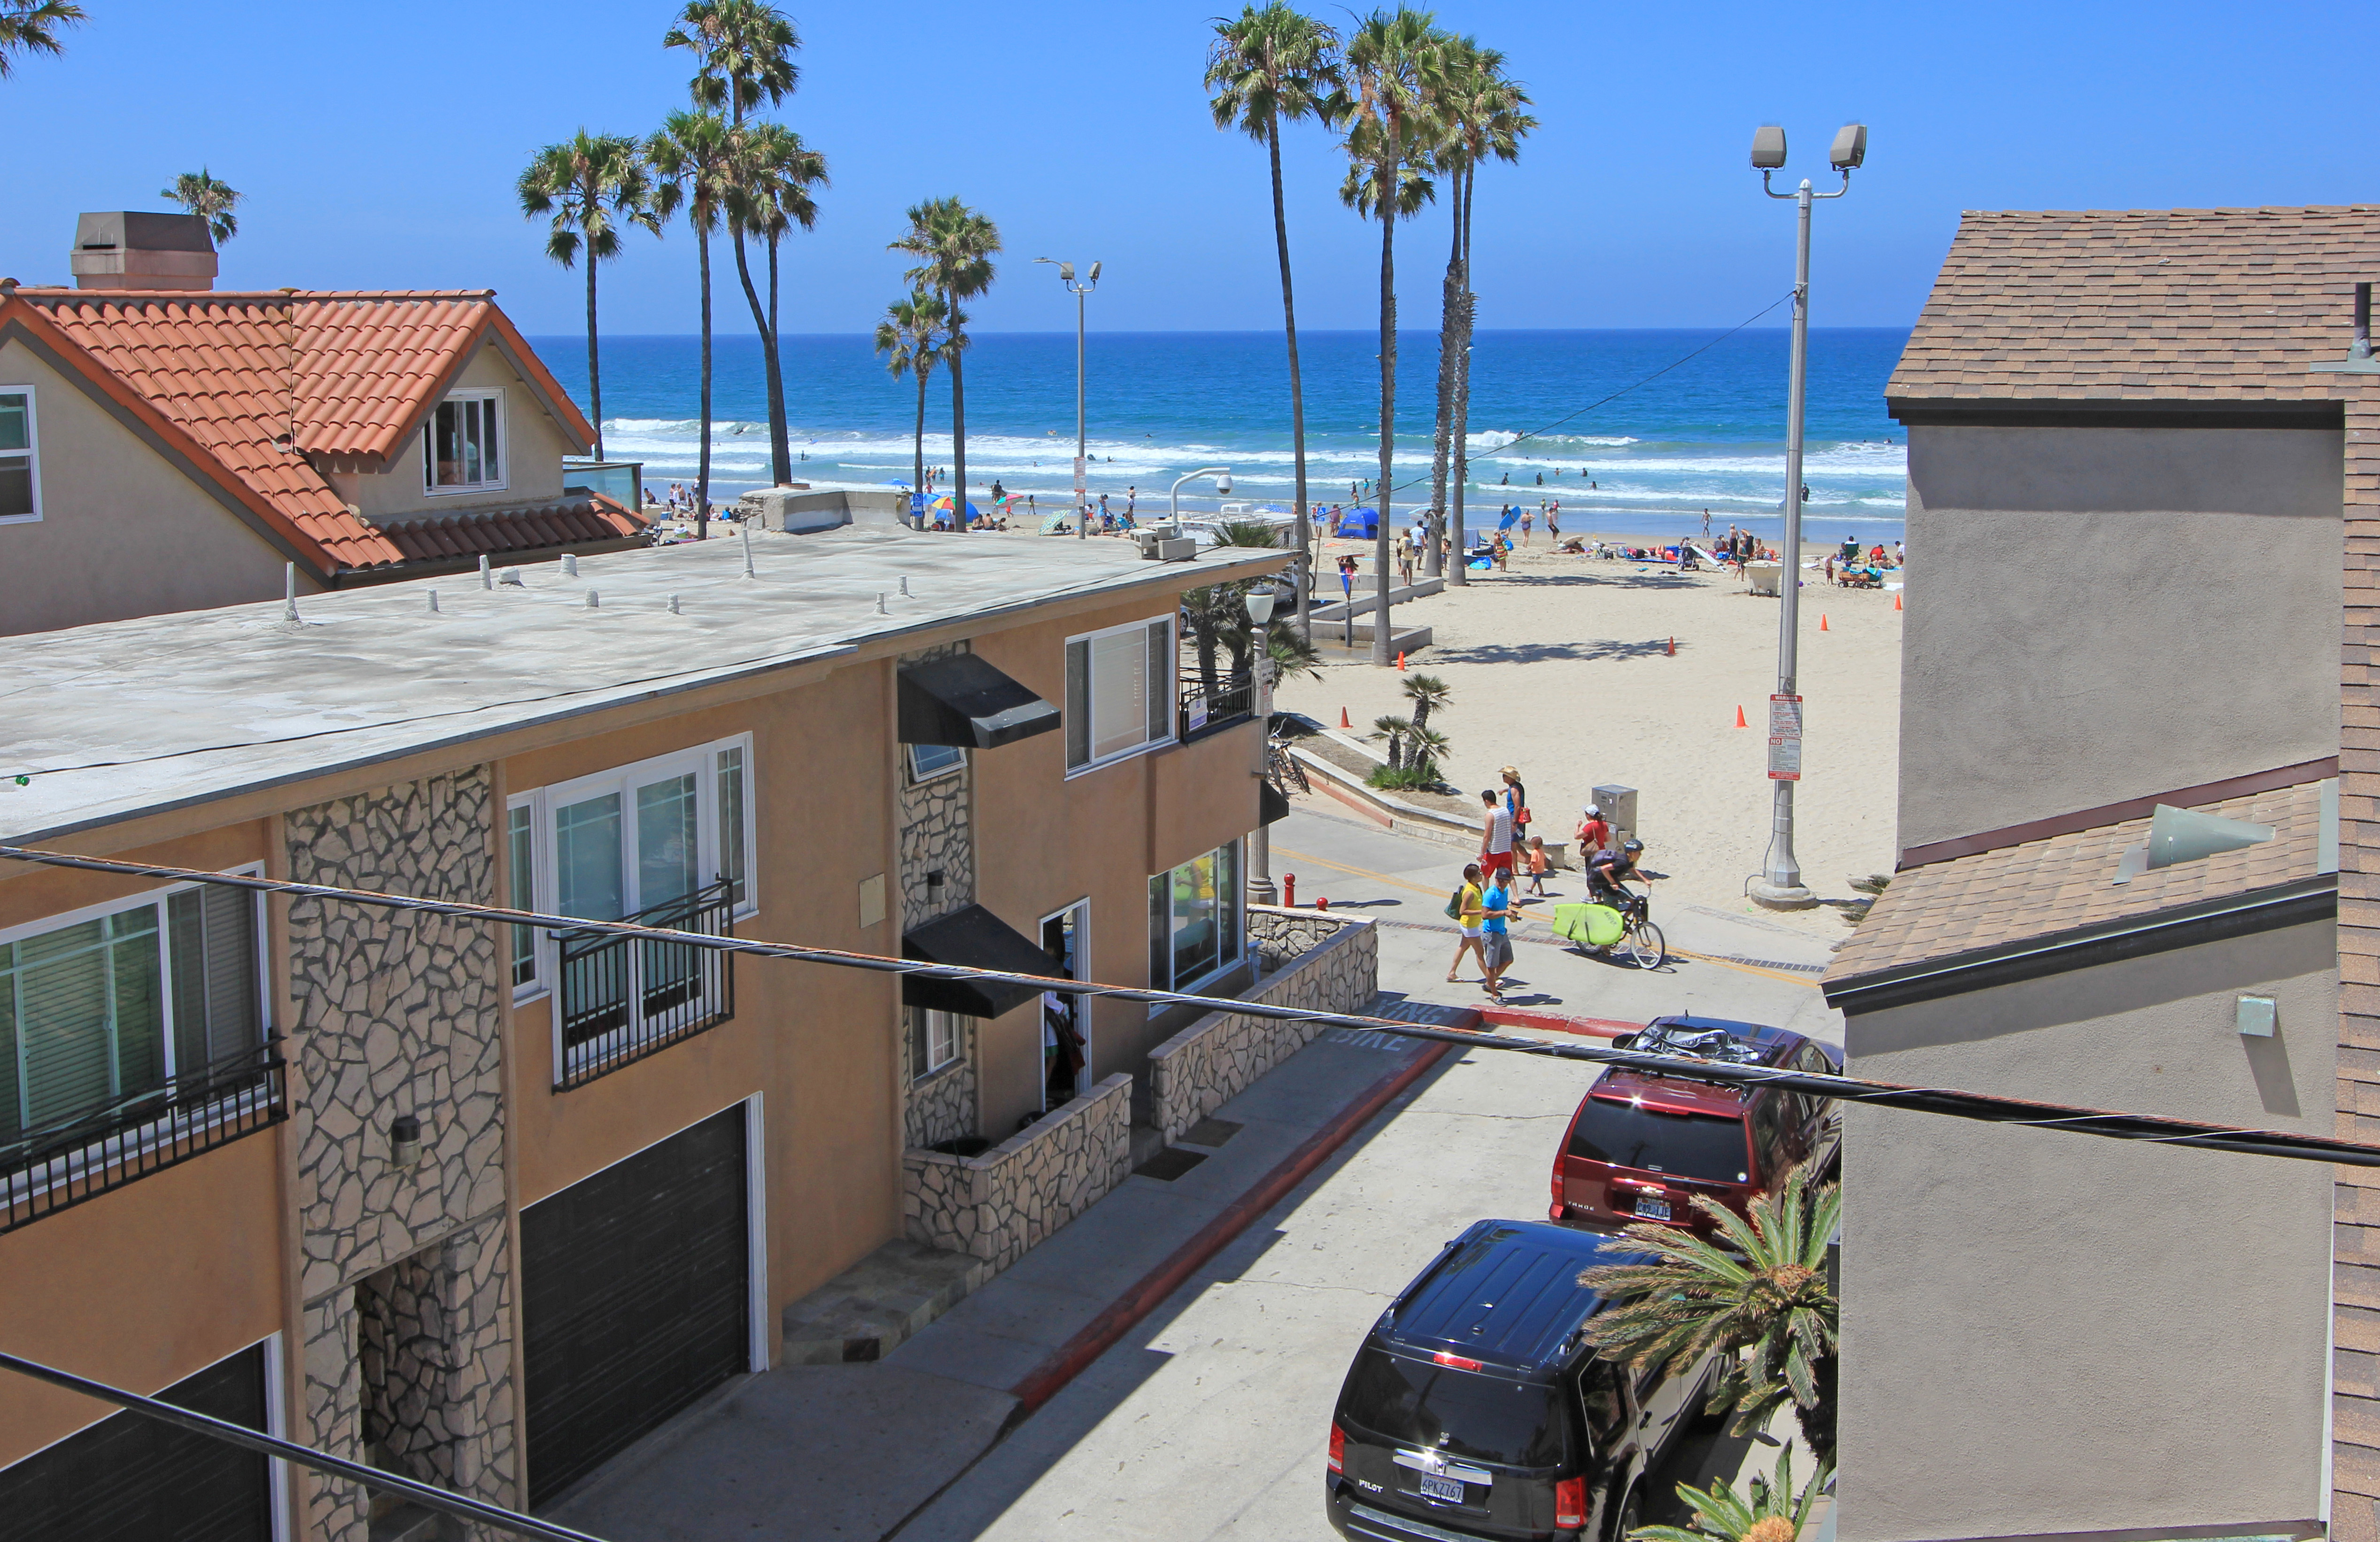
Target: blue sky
<point>377,146</point>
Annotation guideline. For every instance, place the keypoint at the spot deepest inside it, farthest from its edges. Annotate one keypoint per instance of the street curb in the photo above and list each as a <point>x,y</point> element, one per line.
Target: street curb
<point>1549,1022</point>
<point>1149,1291</point>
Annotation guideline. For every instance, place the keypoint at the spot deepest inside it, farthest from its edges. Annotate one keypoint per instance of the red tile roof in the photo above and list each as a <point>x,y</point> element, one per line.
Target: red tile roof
<point>353,373</point>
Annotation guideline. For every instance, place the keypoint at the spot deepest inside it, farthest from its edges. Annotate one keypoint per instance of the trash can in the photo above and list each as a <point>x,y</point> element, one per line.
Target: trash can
<point>1618,806</point>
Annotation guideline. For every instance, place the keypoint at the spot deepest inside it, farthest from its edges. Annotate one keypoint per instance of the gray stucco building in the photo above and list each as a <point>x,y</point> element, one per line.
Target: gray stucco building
<point>2129,499</point>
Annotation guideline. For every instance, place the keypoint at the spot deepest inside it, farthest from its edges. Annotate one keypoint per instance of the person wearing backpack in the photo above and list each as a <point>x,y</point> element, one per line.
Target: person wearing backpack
<point>1464,909</point>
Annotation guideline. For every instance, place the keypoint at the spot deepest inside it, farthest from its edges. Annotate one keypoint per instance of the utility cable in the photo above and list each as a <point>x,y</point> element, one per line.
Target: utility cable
<point>1985,1107</point>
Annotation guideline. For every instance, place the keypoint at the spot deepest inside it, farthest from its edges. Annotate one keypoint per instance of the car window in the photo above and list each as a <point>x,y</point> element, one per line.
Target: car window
<point>1688,1145</point>
<point>1469,1414</point>
<point>1598,1395</point>
<point>1768,1130</point>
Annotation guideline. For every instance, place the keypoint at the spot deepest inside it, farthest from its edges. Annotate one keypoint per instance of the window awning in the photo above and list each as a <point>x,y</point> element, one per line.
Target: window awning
<point>959,699</point>
<point>976,938</point>
<point>1272,803</point>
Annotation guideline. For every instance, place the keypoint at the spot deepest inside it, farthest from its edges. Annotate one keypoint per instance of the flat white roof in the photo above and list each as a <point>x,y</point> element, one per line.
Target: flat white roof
<point>134,717</point>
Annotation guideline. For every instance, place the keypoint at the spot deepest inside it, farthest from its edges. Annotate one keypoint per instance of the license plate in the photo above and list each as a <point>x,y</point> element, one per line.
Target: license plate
<point>1447,1488</point>
<point>1652,1208</point>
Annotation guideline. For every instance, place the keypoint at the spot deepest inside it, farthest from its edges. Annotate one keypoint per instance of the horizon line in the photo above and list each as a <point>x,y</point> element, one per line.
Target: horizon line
<point>719,334</point>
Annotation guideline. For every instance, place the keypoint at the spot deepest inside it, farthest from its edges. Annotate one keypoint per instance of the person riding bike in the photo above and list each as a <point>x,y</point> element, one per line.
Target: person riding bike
<point>1608,870</point>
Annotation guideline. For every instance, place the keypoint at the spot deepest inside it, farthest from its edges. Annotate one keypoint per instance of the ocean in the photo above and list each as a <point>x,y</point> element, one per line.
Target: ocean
<point>1707,434</point>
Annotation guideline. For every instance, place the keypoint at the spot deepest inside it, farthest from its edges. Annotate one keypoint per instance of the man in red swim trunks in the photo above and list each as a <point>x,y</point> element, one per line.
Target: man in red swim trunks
<point>1496,841</point>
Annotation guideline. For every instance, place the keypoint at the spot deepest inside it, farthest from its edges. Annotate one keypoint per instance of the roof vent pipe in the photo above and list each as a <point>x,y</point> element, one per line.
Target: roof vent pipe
<point>485,580</point>
<point>2359,359</point>
<point>570,565</point>
<point>673,610</point>
<point>433,601</point>
<point>594,601</point>
<point>289,591</point>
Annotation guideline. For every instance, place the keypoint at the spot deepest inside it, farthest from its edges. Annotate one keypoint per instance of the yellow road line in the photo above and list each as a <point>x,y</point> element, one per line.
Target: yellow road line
<point>1531,920</point>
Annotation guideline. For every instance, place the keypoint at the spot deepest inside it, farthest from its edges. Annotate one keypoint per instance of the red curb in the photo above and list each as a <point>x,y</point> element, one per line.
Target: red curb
<point>1547,1022</point>
<point>1149,1291</point>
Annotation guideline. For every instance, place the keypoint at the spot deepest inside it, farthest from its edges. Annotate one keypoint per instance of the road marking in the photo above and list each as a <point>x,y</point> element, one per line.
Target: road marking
<point>1528,920</point>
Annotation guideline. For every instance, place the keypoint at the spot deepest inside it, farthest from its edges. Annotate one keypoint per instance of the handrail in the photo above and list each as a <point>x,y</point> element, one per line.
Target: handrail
<point>622,999</point>
<point>1231,700</point>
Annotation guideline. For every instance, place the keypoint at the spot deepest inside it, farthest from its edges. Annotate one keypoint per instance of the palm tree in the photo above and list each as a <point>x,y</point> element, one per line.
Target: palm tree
<point>1490,122</point>
<point>1774,1513</point>
<point>689,158</point>
<point>1761,1287</point>
<point>1428,693</point>
<point>910,340</point>
<point>743,52</point>
<point>768,194</point>
<point>592,185</point>
<point>32,27</point>
<point>1395,59</point>
<point>1394,730</point>
<point>1459,89</point>
<point>199,194</point>
<point>1270,65</point>
<point>955,247</point>
<point>1429,746</point>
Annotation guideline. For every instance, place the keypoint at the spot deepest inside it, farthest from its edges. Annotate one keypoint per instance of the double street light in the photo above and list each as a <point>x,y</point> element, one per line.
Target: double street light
<point>1780,885</point>
<point>1082,487</point>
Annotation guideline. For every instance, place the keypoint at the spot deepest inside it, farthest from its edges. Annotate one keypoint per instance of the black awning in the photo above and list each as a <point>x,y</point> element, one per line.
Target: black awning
<point>979,940</point>
<point>1272,803</point>
<point>959,699</point>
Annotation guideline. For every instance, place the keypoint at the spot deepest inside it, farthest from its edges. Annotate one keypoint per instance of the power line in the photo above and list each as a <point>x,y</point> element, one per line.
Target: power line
<point>1985,1107</point>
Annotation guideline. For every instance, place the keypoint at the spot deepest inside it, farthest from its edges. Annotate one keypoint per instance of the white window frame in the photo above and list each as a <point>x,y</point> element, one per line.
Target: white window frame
<point>703,760</point>
<point>123,1147</point>
<point>920,775</point>
<point>503,479</point>
<point>948,1021</point>
<point>1239,933</point>
<point>32,451</point>
<point>1161,680</point>
<point>525,887</point>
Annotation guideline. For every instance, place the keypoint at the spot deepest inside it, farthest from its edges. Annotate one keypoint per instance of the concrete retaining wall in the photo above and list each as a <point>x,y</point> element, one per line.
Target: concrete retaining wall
<point>999,1205</point>
<point>1311,959</point>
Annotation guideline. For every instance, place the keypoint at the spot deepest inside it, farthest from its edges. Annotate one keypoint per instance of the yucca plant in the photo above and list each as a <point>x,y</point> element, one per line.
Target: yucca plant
<point>1757,1295</point>
<point>1773,1514</point>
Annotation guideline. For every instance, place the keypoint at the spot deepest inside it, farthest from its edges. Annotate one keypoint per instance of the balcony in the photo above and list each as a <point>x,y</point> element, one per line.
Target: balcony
<point>1204,710</point>
<point>623,998</point>
<point>121,1142</point>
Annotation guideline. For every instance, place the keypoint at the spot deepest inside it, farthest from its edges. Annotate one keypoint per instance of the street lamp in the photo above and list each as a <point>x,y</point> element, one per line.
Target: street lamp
<point>1222,475</point>
<point>1261,889</point>
<point>1780,885</point>
<point>1082,488</point>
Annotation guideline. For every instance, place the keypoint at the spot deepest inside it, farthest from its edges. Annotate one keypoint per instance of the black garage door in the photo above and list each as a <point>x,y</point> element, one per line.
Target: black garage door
<point>128,1478</point>
<point>633,1298</point>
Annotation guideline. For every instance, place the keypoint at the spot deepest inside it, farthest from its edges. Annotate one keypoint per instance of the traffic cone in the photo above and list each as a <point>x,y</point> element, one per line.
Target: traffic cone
<point>1739,718</point>
<point>1342,718</point>
<point>1896,602</point>
<point>1401,658</point>
<point>1822,621</point>
<point>1674,648</point>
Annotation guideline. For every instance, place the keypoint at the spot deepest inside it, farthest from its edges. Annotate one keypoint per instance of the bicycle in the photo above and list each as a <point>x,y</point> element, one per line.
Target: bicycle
<point>1641,943</point>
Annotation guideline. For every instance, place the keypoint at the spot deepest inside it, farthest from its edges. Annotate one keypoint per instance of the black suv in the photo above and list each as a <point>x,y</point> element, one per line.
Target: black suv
<point>1476,1409</point>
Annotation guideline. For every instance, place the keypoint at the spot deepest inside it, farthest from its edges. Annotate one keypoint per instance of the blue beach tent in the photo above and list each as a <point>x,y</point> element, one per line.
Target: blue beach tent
<point>1359,523</point>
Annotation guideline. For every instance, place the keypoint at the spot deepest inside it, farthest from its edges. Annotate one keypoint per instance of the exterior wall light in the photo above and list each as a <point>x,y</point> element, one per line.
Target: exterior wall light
<point>404,1140</point>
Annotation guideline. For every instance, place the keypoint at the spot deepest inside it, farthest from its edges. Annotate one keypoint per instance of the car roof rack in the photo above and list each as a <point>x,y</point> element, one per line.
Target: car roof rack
<point>1694,1043</point>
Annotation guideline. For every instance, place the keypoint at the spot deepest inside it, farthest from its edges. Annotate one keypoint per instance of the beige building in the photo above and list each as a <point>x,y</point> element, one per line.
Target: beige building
<point>2123,826</point>
<point>169,447</point>
<point>488,1206</point>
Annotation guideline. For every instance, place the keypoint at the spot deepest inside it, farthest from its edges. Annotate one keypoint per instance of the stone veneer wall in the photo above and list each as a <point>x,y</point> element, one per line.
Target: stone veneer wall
<point>936,833</point>
<point>943,1106</point>
<point>1313,959</point>
<point>997,1205</point>
<point>393,1014</point>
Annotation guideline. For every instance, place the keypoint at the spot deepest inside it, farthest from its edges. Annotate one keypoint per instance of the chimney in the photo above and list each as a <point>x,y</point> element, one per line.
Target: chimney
<point>132,249</point>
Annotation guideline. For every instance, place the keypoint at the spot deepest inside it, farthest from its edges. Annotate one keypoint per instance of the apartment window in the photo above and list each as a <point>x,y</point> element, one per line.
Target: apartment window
<point>732,818</point>
<point>1195,920</point>
<point>1119,697</point>
<point>520,842</point>
<point>933,1041</point>
<point>462,450</point>
<point>102,1011</point>
<point>929,762</point>
<point>20,483</point>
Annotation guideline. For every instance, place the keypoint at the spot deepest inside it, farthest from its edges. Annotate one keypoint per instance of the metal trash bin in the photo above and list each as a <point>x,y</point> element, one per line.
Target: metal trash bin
<point>1618,806</point>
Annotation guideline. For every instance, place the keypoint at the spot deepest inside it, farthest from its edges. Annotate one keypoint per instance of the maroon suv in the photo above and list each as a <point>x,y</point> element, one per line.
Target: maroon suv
<point>1643,1144</point>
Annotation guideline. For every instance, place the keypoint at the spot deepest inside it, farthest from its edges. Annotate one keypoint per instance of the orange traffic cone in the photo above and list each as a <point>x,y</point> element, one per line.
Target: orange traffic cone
<point>1739,718</point>
<point>1342,718</point>
<point>1896,602</point>
<point>1401,658</point>
<point>1822,621</point>
<point>1674,648</point>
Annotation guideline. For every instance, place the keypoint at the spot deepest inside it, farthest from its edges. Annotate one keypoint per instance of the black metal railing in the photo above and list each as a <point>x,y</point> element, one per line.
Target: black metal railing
<point>45,1170</point>
<point>1231,700</point>
<point>623,998</point>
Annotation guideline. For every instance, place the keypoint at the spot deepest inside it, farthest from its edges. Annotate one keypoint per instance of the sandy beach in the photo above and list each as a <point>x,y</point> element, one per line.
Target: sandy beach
<point>1561,667</point>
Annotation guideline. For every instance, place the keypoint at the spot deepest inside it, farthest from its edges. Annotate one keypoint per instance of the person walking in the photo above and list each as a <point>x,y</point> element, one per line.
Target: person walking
<point>1528,518</point>
<point>1463,908</point>
<point>1516,804</point>
<point>1553,521</point>
<point>1347,577</point>
<point>1496,836</point>
<point>1592,833</point>
<point>1495,937</point>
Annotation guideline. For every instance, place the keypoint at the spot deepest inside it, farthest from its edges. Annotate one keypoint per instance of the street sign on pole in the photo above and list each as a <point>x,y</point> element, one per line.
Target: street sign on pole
<point>1784,738</point>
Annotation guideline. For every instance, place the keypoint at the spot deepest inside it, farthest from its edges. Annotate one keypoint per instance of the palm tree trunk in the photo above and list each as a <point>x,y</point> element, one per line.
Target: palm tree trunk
<point>917,482</point>
<point>702,473</point>
<point>594,368</point>
<point>781,453</point>
<point>1461,573</point>
<point>1448,304</point>
<point>958,433</point>
<point>1304,574</point>
<point>767,350</point>
<point>1387,207</point>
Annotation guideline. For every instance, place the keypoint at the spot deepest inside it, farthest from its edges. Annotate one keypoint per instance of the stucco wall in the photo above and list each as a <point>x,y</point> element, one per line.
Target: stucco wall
<point>533,451</point>
<point>2096,615</point>
<point>123,532</point>
<point>2047,1332</point>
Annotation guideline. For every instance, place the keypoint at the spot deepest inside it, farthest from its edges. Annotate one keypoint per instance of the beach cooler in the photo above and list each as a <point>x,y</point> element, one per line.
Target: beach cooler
<point>1595,925</point>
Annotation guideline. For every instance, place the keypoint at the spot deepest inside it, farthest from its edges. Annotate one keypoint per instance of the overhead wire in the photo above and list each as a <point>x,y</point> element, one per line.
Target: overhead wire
<point>1951,1102</point>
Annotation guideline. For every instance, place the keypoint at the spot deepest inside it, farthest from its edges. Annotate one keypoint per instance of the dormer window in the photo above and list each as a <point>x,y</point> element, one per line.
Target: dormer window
<point>462,450</point>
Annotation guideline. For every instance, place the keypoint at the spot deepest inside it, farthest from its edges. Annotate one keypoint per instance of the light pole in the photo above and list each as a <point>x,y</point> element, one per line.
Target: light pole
<point>1261,890</point>
<point>1222,475</point>
<point>1082,488</point>
<point>1780,885</point>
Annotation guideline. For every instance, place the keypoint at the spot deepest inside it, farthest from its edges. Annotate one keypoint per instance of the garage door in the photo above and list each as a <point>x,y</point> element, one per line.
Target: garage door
<point>633,1298</point>
<point>128,1478</point>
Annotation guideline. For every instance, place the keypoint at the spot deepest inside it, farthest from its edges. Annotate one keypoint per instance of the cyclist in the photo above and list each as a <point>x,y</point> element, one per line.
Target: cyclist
<point>1608,870</point>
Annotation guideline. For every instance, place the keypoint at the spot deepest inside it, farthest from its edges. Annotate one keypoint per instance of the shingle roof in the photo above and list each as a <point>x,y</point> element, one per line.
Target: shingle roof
<point>2045,888</point>
<point>353,372</point>
<point>2213,305</point>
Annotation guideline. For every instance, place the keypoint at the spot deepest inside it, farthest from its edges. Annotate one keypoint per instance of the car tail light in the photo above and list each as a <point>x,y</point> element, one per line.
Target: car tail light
<point>1447,1357</point>
<point>1569,1503</point>
<point>1338,1448</point>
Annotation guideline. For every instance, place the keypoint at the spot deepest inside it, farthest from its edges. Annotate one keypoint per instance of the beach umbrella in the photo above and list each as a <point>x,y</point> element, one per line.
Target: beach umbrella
<point>943,504</point>
<point>1054,523</point>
